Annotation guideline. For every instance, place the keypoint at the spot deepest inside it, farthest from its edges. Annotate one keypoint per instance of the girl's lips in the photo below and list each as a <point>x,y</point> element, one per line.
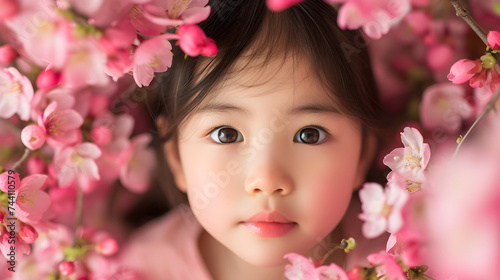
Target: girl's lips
<point>269,224</point>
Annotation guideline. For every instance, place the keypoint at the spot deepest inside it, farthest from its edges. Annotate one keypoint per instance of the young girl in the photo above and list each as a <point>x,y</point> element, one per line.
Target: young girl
<point>268,139</point>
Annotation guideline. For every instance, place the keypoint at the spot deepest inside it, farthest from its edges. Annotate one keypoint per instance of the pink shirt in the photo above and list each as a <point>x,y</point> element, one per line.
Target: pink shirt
<point>167,248</point>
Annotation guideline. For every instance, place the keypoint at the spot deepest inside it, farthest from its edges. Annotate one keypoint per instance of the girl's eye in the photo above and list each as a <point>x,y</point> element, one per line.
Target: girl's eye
<point>311,135</point>
<point>226,135</point>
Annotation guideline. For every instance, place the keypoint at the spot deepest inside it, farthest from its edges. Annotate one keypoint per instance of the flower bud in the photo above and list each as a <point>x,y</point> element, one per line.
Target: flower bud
<point>463,70</point>
<point>48,79</point>
<point>33,137</point>
<point>193,41</point>
<point>66,268</point>
<point>107,247</point>
<point>280,5</point>
<point>488,61</point>
<point>494,40</point>
<point>356,273</point>
<point>7,54</point>
<point>28,234</point>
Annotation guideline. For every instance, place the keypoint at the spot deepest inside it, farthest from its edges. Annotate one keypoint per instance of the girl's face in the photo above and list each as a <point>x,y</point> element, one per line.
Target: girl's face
<point>269,164</point>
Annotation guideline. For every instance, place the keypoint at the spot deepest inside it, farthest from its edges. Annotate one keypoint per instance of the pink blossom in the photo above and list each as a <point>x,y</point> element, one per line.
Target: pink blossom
<point>61,126</point>
<point>48,79</point>
<point>375,17</point>
<point>331,271</point>
<point>413,157</point>
<point>9,9</point>
<point>444,106</point>
<point>44,39</point>
<point>21,248</point>
<point>152,55</point>
<point>463,70</point>
<point>77,164</point>
<point>9,179</point>
<point>28,234</point>
<point>7,54</point>
<point>86,64</point>
<point>42,98</point>
<point>302,268</point>
<point>418,21</point>
<point>163,13</point>
<point>33,137</point>
<point>386,266</point>
<point>136,173</point>
<point>116,42</point>
<point>16,93</point>
<point>32,202</point>
<point>494,40</point>
<point>279,5</point>
<point>194,42</point>
<point>381,209</point>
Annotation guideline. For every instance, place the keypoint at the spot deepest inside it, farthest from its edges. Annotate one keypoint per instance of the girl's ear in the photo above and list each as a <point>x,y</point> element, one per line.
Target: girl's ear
<point>368,153</point>
<point>171,154</point>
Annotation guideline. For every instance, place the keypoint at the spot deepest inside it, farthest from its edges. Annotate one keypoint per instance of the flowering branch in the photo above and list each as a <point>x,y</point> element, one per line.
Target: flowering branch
<point>487,108</point>
<point>465,15</point>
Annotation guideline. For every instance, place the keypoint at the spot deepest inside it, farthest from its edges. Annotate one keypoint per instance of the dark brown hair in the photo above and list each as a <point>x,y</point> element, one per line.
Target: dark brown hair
<point>247,28</point>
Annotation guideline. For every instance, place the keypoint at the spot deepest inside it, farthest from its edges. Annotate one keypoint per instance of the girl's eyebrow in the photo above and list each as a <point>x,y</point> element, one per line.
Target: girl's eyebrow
<point>313,108</point>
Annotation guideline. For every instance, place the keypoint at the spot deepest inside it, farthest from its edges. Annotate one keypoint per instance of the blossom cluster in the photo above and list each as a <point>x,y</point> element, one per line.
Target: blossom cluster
<point>68,135</point>
<point>440,215</point>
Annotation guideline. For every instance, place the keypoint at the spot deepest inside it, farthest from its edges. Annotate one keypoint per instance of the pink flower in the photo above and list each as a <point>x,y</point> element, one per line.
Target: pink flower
<point>279,5</point>
<point>9,179</point>
<point>7,54</point>
<point>16,93</point>
<point>444,106</point>
<point>159,14</point>
<point>413,157</point>
<point>381,210</point>
<point>21,248</point>
<point>136,173</point>
<point>32,202</point>
<point>375,17</point>
<point>86,64</point>
<point>301,268</point>
<point>194,42</point>
<point>42,98</point>
<point>116,42</point>
<point>332,271</point>
<point>44,39</point>
<point>33,137</point>
<point>61,126</point>
<point>9,9</point>
<point>152,55</point>
<point>494,40</point>
<point>77,164</point>
<point>386,266</point>
<point>463,70</point>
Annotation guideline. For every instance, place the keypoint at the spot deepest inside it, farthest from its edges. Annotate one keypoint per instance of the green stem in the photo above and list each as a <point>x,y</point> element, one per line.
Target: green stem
<point>489,106</point>
<point>425,275</point>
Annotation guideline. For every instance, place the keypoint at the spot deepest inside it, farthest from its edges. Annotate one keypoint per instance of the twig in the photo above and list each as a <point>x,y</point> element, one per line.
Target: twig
<point>79,214</point>
<point>465,15</point>
<point>489,106</point>
<point>25,156</point>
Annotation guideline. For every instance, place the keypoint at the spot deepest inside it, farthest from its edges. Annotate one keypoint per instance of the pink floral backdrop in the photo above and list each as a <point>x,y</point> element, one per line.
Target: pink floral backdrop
<point>74,136</point>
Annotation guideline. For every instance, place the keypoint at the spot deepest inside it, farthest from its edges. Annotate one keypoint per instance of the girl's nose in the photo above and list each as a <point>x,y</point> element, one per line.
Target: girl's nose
<point>268,176</point>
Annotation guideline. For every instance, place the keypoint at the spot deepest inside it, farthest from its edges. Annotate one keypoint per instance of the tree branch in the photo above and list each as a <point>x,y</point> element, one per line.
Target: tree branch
<point>465,15</point>
<point>489,106</point>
